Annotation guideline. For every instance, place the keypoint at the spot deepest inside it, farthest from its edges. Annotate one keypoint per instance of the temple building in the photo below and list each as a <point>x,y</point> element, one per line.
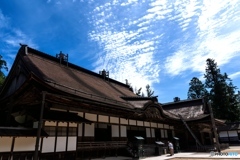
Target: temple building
<point>51,108</point>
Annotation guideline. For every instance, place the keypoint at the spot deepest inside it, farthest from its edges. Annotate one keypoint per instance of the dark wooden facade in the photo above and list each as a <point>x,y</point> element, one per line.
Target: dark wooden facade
<point>76,106</point>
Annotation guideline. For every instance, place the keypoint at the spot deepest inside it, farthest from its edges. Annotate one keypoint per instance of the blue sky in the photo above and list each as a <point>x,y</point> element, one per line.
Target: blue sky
<point>163,43</point>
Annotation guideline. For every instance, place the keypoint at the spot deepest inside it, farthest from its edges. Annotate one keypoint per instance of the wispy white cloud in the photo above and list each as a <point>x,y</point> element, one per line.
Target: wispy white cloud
<point>126,55</point>
<point>10,39</point>
<point>213,39</point>
<point>235,75</point>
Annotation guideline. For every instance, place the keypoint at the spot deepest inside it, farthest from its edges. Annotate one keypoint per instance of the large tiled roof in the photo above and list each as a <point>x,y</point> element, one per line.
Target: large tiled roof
<point>76,80</point>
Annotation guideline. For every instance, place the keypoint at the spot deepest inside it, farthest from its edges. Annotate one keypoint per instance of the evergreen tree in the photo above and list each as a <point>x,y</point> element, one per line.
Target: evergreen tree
<point>221,93</point>
<point>3,66</point>
<point>138,91</point>
<point>196,89</point>
<point>150,92</point>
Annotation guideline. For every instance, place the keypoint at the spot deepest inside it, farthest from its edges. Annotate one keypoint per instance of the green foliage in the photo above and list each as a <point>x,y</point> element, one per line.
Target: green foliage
<point>3,66</point>
<point>150,92</point>
<point>138,91</point>
<point>196,89</point>
<point>221,93</point>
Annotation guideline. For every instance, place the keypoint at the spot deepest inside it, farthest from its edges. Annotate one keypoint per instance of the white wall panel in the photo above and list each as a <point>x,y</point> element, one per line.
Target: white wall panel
<point>160,125</point>
<point>147,124</point>
<point>154,125</point>
<point>123,121</point>
<point>132,122</point>
<point>80,114</point>
<point>24,144</point>
<point>140,123</point>
<point>162,133</point>
<point>114,120</point>
<point>62,124</point>
<point>102,118</point>
<point>115,131</point>
<point>148,134</point>
<point>166,135</point>
<point>153,132</point>
<point>223,134</point>
<point>232,133</point>
<point>89,130</point>
<point>123,131</point>
<point>72,124</point>
<point>61,144</point>
<point>72,143</point>
<point>166,126</point>
<point>91,117</point>
<point>171,127</point>
<point>50,123</point>
<point>5,144</point>
<point>48,144</point>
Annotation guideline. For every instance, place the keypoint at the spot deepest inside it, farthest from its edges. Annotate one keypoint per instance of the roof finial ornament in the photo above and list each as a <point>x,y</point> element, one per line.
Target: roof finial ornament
<point>62,57</point>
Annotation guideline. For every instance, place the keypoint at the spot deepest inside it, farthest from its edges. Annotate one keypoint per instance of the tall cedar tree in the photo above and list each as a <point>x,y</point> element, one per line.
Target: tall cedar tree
<point>3,66</point>
<point>150,92</point>
<point>221,93</point>
<point>196,89</point>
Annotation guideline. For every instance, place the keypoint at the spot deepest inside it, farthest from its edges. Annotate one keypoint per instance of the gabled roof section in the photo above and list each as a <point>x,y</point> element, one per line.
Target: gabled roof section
<point>188,109</point>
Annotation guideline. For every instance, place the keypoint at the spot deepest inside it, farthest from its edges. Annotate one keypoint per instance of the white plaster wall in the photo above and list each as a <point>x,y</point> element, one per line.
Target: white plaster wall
<point>123,131</point>
<point>89,130</point>
<point>102,118</point>
<point>62,124</point>
<point>72,143</point>
<point>148,134</point>
<point>5,144</point>
<point>48,144</point>
<point>232,133</point>
<point>153,124</point>
<point>91,117</point>
<point>114,120</point>
<point>171,127</point>
<point>80,129</point>
<point>72,124</point>
<point>123,121</point>
<point>166,126</point>
<point>153,132</point>
<point>147,124</point>
<point>140,123</point>
<point>80,114</point>
<point>24,144</point>
<point>223,134</point>
<point>162,133</point>
<point>160,125</point>
<point>61,144</point>
<point>132,122</point>
<point>166,135</point>
<point>115,131</point>
<point>50,123</point>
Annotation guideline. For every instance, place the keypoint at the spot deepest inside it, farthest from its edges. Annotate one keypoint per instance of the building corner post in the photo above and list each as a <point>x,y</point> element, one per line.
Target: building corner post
<point>39,126</point>
<point>214,126</point>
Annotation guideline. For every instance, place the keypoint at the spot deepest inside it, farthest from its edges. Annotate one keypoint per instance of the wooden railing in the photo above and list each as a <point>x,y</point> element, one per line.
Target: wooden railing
<point>101,145</point>
<point>110,146</point>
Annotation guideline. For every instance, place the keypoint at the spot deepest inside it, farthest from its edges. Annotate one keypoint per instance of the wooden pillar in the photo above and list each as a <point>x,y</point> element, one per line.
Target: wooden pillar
<point>39,126</point>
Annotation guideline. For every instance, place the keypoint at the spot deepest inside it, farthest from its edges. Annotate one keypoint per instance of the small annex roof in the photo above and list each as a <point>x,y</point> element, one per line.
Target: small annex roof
<point>188,109</point>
